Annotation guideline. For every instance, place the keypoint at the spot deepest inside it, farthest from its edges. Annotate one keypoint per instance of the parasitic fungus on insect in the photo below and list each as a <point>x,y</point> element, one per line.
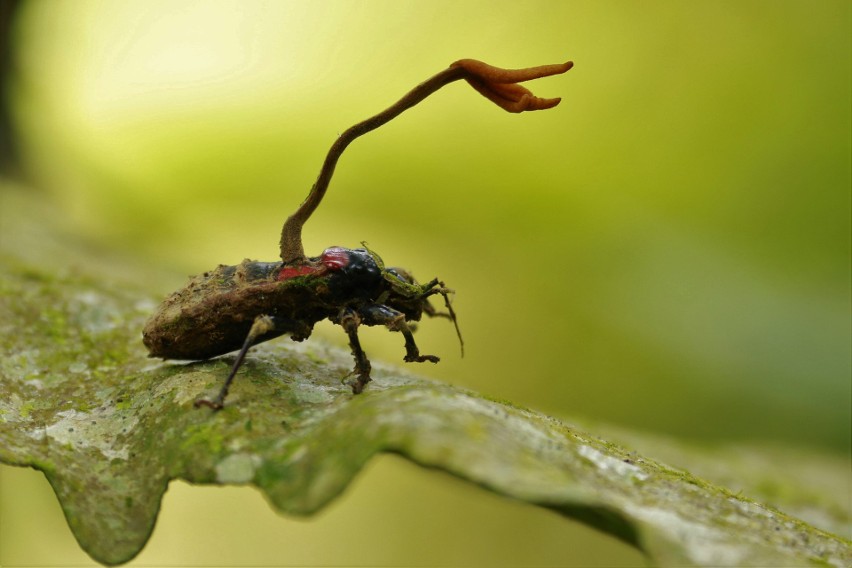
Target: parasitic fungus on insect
<point>235,307</point>
<point>498,85</point>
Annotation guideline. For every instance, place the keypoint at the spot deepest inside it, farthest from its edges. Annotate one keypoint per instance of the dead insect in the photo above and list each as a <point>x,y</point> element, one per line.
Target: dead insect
<point>235,307</point>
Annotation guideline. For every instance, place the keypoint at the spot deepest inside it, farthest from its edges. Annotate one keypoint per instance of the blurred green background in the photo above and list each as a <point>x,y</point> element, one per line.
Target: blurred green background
<point>669,249</point>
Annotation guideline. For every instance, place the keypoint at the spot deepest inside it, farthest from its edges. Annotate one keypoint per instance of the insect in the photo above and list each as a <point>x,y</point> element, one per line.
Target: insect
<point>233,308</point>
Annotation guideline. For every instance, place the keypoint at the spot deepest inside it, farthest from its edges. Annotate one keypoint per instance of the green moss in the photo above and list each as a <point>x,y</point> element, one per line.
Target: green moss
<point>505,402</point>
<point>110,428</point>
<point>206,437</point>
<point>26,408</point>
<point>311,282</point>
<point>315,358</point>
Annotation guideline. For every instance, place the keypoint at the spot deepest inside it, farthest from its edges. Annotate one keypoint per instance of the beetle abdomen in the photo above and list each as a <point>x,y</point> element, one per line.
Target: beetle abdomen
<point>213,313</point>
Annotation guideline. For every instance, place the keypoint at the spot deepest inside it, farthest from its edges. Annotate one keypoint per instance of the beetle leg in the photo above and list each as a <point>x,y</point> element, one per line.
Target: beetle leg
<point>350,321</point>
<point>262,325</point>
<point>377,314</point>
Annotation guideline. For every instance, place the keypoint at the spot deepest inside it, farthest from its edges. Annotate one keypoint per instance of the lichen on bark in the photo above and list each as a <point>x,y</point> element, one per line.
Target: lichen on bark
<point>110,427</point>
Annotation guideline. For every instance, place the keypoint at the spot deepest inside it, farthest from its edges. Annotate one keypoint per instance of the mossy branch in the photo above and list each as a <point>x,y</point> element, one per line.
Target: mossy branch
<point>110,428</point>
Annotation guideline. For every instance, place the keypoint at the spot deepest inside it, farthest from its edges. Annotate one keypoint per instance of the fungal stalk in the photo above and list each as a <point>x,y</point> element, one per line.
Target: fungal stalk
<point>500,86</point>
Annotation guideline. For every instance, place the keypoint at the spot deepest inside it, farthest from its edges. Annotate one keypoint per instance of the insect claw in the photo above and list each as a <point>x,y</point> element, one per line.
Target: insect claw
<point>357,384</point>
<point>421,358</point>
<point>357,380</point>
<point>215,405</point>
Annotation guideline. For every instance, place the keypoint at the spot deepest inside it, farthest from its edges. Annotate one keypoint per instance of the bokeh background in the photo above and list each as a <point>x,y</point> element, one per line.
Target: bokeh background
<point>668,250</point>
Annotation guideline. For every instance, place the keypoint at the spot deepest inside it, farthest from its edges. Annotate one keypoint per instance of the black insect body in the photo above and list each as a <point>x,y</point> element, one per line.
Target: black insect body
<point>234,307</point>
<point>217,311</point>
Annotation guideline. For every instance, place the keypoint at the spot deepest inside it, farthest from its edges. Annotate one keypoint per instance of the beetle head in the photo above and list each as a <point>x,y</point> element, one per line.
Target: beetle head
<point>411,298</point>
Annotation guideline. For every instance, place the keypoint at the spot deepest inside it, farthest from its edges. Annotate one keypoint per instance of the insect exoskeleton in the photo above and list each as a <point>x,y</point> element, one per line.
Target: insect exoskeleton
<point>215,312</point>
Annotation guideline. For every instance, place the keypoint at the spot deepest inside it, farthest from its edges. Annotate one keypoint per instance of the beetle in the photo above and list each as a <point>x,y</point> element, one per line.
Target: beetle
<point>232,308</point>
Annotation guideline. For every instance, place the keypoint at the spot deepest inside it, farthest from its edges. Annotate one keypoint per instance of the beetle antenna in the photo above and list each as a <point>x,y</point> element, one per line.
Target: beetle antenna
<point>446,294</point>
<point>500,86</point>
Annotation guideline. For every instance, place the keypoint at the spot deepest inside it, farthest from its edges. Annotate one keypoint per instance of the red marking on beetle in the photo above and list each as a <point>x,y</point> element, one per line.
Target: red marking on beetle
<point>293,271</point>
<point>335,258</point>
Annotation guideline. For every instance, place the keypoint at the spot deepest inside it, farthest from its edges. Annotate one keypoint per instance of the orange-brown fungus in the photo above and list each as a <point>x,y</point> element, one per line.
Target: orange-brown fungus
<point>500,86</point>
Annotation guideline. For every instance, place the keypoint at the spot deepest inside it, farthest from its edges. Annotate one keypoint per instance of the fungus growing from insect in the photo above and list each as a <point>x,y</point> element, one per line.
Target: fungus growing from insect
<point>235,307</point>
